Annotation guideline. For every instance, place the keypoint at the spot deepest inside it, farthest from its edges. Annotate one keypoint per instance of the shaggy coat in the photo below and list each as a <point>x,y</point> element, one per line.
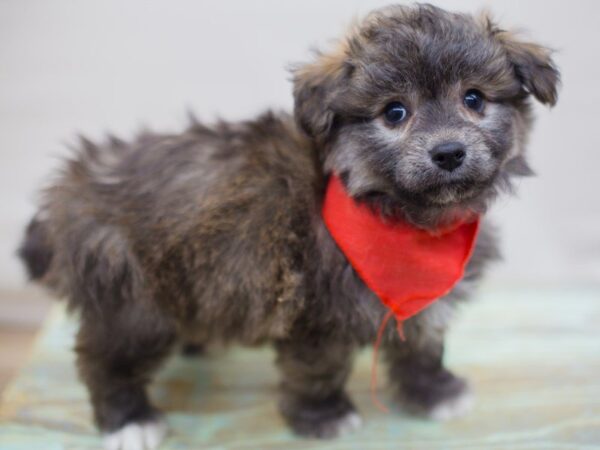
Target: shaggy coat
<point>215,234</point>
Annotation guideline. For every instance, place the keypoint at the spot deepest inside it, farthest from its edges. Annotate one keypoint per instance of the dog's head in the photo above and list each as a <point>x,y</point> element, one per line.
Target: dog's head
<point>424,111</point>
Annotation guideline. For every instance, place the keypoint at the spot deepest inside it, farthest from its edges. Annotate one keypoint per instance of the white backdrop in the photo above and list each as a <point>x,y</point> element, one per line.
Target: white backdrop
<point>69,66</point>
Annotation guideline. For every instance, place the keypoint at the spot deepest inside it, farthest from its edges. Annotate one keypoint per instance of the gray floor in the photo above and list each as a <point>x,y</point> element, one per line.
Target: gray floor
<point>532,356</point>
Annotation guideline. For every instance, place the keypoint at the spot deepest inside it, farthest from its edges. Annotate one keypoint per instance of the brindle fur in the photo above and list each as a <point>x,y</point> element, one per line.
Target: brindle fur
<point>215,234</point>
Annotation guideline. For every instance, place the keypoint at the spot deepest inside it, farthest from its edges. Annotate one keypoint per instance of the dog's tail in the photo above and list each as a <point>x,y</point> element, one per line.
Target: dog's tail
<point>36,250</point>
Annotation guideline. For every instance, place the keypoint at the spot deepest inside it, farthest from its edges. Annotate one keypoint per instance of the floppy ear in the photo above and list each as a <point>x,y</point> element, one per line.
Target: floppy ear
<point>315,86</point>
<point>533,64</point>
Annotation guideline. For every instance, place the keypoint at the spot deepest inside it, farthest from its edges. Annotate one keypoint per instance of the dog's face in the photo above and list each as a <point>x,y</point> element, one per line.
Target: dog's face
<point>423,109</point>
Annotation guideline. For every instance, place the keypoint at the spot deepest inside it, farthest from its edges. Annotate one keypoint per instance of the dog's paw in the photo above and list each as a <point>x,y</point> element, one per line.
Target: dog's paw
<point>342,425</point>
<point>323,420</point>
<point>452,407</point>
<point>440,396</point>
<point>137,436</point>
<point>327,427</point>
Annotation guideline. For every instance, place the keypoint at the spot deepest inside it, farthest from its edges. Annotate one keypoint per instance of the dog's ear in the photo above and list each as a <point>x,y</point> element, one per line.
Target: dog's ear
<point>533,64</point>
<point>316,85</point>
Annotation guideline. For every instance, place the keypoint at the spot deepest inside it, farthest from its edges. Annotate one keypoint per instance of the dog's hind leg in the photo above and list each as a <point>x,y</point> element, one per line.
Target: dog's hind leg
<point>123,336</point>
<point>116,358</point>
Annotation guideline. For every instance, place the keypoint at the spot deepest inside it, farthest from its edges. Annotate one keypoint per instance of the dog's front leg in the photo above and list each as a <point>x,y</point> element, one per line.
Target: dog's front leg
<point>416,371</point>
<point>314,373</point>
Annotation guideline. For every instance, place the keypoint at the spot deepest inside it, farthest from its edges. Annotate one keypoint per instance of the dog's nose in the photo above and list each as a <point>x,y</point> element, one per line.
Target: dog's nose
<point>448,156</point>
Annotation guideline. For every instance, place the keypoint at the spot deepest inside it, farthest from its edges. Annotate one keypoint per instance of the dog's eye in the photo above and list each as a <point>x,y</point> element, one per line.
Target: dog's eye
<point>474,100</point>
<point>395,113</point>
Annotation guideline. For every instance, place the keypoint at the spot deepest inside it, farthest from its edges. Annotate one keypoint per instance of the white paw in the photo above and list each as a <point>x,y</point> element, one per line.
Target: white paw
<point>137,436</point>
<point>453,407</point>
<point>348,423</point>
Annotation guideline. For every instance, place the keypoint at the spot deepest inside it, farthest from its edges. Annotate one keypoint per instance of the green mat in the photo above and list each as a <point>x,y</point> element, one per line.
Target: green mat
<point>533,357</point>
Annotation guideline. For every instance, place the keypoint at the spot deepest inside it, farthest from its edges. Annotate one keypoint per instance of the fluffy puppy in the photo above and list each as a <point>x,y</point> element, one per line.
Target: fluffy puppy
<point>216,233</point>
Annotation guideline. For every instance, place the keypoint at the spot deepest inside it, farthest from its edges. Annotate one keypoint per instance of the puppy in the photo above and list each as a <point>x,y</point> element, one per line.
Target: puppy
<point>216,234</point>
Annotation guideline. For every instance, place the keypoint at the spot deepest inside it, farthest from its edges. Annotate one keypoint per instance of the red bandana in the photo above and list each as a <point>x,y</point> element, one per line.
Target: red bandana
<point>407,267</point>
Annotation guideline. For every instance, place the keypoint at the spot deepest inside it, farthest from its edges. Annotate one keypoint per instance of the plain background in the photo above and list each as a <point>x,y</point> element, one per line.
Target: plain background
<point>70,67</point>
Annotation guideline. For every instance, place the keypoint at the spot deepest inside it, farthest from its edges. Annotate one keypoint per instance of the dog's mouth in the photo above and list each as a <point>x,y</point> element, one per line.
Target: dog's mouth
<point>443,193</point>
<point>453,191</point>
<point>446,194</point>
<point>431,197</point>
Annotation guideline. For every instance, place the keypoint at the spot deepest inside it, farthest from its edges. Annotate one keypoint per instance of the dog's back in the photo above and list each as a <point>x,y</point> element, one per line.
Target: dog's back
<point>206,224</point>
